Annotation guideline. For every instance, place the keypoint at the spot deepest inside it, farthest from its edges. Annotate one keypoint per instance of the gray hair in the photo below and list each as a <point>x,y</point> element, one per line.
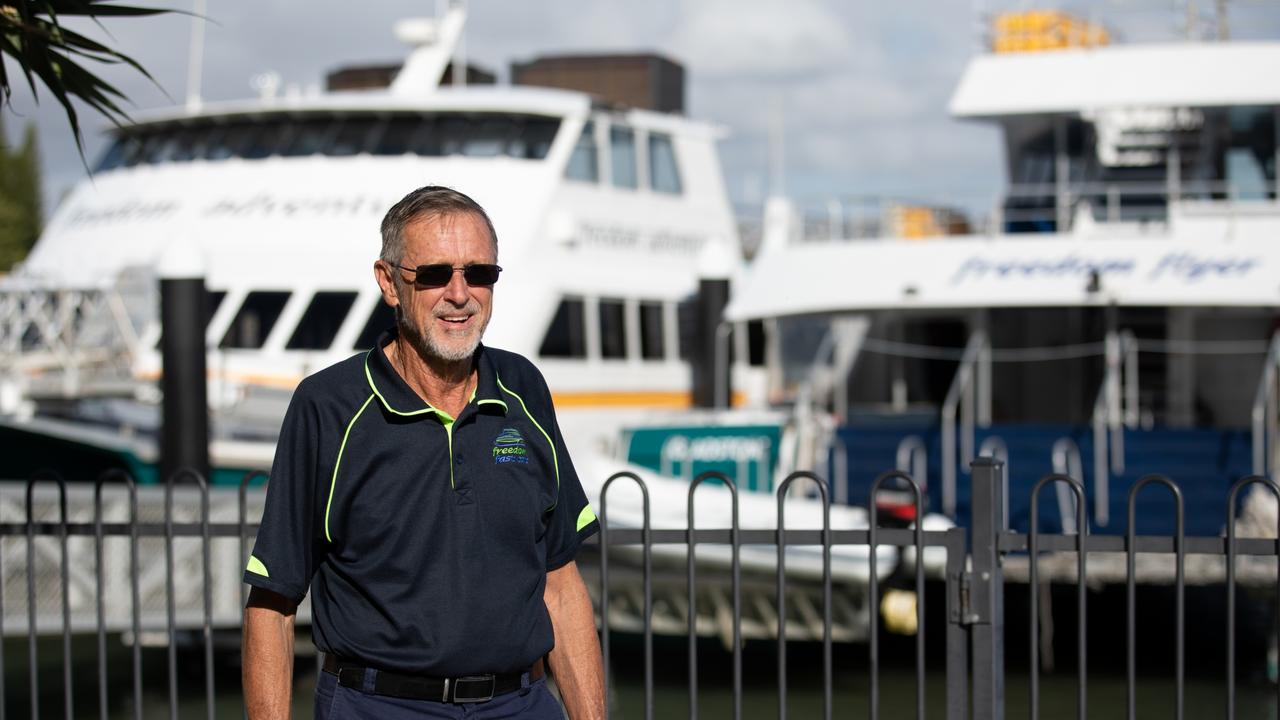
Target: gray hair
<point>427,202</point>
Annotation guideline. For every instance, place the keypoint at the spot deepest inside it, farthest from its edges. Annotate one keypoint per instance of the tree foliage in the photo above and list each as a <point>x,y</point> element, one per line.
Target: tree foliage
<point>20,207</point>
<point>32,33</point>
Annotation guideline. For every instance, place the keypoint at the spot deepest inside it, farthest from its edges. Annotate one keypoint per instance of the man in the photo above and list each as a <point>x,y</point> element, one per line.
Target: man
<point>424,494</point>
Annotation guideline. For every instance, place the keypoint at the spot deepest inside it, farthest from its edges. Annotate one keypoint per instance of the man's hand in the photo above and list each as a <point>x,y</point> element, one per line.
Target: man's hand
<point>575,659</point>
<point>267,655</point>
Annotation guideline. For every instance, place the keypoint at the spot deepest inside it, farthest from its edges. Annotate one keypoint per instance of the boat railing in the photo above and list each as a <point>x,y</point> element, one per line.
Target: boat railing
<point>1266,413</point>
<point>913,459</point>
<point>65,339</point>
<point>1066,461</point>
<point>969,398</point>
<point>1025,207</point>
<point>1114,409</point>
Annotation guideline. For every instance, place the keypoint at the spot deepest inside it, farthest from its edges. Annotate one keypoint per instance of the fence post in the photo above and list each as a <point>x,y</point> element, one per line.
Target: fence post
<point>987,588</point>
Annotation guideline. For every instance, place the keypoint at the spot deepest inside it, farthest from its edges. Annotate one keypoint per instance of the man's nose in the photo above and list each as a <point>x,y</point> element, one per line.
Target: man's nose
<point>457,291</point>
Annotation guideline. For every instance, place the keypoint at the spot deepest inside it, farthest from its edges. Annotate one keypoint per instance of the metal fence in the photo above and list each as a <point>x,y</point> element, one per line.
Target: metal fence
<point>973,642</point>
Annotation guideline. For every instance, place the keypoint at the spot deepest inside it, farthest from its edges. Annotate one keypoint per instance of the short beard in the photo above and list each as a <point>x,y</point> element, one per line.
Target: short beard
<point>428,348</point>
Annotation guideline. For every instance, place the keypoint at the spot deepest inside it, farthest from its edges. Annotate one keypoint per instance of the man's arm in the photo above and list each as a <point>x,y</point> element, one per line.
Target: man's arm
<point>575,659</point>
<point>267,655</point>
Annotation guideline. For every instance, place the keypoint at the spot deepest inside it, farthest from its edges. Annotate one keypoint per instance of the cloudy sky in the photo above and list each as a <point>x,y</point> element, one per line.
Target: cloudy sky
<point>862,84</point>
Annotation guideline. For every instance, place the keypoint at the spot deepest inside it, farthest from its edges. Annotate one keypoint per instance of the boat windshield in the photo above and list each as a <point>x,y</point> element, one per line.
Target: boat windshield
<point>526,137</point>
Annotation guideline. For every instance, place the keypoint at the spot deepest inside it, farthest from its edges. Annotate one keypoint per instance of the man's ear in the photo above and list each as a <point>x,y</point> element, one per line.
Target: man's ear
<point>387,282</point>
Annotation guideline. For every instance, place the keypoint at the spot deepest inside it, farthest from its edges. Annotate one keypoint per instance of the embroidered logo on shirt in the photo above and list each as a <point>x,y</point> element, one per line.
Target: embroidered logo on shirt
<point>509,447</point>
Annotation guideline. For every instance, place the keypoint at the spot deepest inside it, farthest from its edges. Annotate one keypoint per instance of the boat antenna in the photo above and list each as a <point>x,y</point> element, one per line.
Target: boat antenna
<point>195,60</point>
<point>460,51</point>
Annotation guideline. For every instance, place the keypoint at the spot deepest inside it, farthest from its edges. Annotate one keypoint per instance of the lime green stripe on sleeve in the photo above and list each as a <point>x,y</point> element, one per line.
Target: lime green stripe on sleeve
<point>256,567</point>
<point>554,460</point>
<point>585,518</point>
<point>333,483</point>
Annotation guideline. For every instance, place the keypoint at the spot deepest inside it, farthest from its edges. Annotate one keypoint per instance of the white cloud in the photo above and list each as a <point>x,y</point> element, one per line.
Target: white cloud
<point>764,39</point>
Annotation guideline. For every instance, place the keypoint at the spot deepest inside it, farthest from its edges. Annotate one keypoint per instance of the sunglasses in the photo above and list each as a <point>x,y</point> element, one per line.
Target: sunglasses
<point>439,275</point>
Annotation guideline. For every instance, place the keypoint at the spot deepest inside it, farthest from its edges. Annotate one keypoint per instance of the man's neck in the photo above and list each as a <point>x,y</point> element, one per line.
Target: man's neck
<point>443,384</point>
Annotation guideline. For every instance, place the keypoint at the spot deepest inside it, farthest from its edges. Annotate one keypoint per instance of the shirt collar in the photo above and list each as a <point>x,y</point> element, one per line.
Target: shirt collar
<point>398,398</point>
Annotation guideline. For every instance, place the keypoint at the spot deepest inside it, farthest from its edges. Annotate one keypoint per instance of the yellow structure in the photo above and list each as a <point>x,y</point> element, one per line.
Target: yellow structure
<point>1040,30</point>
<point>913,222</point>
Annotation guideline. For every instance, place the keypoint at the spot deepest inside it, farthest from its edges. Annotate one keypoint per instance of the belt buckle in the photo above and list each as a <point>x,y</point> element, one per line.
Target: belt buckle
<point>457,682</point>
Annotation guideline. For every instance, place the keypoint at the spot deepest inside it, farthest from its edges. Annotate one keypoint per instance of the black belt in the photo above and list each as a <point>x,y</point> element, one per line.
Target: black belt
<point>469,688</point>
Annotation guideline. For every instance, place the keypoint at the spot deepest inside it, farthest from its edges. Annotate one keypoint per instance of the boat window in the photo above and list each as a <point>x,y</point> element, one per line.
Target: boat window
<point>613,329</point>
<point>115,155</point>
<point>566,337</point>
<point>230,140</point>
<point>212,301</point>
<point>664,173</point>
<point>651,331</point>
<point>583,162</point>
<point>534,142</point>
<point>254,320</point>
<point>267,142</point>
<point>622,156</point>
<point>188,143</point>
<point>352,137</point>
<point>321,320</point>
<point>310,136</point>
<point>382,318</point>
<point>396,136</point>
<point>479,137</point>
<point>687,326</point>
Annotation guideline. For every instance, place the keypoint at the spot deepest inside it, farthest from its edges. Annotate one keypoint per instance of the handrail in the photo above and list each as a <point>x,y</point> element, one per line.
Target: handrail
<point>960,396</point>
<point>1109,416</point>
<point>1266,403</point>
<point>1067,461</point>
<point>913,458</point>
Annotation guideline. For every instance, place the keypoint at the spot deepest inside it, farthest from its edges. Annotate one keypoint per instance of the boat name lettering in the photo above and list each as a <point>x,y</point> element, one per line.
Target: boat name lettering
<point>616,237</point>
<point>133,210</point>
<point>1183,266</point>
<point>267,205</point>
<point>680,448</point>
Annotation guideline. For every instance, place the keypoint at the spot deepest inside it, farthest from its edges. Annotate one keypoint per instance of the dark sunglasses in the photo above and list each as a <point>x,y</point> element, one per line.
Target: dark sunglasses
<point>439,275</point>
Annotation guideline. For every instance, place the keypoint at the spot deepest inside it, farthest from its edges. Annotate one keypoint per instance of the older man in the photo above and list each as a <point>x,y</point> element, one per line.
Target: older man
<point>424,494</point>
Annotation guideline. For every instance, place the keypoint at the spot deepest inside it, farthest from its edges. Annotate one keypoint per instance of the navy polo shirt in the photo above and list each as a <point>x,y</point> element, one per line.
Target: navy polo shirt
<point>425,539</point>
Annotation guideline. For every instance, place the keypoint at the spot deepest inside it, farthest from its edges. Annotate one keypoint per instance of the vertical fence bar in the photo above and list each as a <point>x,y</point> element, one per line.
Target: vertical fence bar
<point>1232,499</point>
<point>32,634</point>
<point>135,597</point>
<point>647,547</point>
<point>917,497</point>
<point>33,677</point>
<point>65,573</point>
<point>987,588</point>
<point>736,591</point>
<point>207,620</point>
<point>826,593</point>
<point>206,627</point>
<point>957,636</point>
<point>3,668</point>
<point>98,586</point>
<point>1131,595</point>
<point>170,610</point>
<point>1082,525</point>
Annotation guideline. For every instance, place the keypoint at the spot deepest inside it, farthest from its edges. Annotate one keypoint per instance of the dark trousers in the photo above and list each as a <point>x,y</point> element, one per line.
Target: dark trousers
<point>533,701</point>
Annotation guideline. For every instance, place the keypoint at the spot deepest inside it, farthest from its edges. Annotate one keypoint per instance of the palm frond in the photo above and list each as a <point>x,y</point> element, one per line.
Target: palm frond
<point>32,34</point>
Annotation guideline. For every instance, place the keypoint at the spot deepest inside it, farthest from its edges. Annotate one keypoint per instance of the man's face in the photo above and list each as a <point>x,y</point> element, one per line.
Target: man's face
<point>443,322</point>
